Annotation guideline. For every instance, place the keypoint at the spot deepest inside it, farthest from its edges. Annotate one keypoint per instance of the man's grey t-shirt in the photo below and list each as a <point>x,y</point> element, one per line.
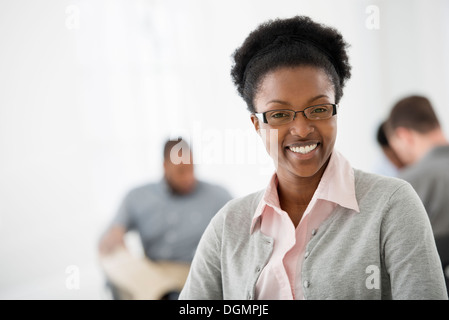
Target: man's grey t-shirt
<point>430,179</point>
<point>170,225</point>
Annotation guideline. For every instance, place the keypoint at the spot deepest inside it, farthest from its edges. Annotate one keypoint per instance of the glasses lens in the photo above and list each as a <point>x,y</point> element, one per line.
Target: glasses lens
<point>277,117</point>
<point>319,112</point>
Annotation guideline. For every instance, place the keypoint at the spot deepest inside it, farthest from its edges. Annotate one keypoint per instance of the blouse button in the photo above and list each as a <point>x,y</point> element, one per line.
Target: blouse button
<point>313,232</point>
<point>306,283</point>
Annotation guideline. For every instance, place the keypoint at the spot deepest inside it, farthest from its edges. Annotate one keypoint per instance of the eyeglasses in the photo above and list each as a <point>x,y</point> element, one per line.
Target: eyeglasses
<point>284,116</point>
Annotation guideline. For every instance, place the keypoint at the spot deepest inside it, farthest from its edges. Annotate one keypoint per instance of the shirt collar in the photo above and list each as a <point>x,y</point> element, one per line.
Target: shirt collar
<point>337,185</point>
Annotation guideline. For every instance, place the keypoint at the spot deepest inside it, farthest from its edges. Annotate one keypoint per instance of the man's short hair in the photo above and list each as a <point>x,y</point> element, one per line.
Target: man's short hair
<point>169,144</point>
<point>413,112</point>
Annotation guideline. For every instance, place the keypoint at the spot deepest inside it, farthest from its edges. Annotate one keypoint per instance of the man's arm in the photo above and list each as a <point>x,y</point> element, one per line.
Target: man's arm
<point>113,238</point>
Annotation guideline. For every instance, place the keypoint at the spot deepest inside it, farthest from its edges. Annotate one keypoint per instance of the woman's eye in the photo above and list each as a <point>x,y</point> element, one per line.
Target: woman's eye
<point>319,110</point>
<point>278,115</point>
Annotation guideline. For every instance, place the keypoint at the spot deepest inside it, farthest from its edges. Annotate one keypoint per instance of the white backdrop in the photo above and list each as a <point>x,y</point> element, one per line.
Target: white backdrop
<point>89,91</point>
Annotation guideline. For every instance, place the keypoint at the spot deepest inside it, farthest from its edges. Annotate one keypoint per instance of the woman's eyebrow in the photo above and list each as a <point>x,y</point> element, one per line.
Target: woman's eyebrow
<point>316,98</point>
<point>308,101</point>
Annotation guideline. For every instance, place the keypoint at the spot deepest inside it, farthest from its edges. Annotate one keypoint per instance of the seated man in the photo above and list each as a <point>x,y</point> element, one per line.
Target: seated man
<point>170,215</point>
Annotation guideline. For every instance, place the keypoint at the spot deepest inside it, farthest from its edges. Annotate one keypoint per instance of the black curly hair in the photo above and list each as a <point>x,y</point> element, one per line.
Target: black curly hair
<point>288,43</point>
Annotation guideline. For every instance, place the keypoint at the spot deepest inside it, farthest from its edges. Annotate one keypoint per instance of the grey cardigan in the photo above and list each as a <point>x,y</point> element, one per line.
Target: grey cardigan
<point>386,251</point>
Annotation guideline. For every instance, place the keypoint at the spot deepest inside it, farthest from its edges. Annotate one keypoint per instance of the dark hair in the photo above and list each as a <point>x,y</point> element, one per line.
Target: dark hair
<point>381,135</point>
<point>413,112</point>
<point>288,43</point>
<point>169,144</point>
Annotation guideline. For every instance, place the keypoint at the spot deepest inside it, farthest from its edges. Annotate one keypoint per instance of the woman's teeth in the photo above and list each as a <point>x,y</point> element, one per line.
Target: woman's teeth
<point>305,149</point>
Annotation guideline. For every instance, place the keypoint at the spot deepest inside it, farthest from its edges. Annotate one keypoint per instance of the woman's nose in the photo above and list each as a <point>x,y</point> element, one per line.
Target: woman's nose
<point>301,126</point>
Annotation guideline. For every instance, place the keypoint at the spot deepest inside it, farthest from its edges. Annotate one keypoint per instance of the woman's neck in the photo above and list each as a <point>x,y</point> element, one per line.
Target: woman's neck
<point>295,193</point>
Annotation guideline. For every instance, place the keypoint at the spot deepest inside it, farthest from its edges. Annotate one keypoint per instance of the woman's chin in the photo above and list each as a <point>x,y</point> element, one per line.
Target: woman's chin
<point>298,172</point>
<point>304,166</point>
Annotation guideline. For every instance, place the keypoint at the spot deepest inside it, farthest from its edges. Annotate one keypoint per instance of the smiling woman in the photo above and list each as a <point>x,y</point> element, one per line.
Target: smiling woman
<point>320,226</point>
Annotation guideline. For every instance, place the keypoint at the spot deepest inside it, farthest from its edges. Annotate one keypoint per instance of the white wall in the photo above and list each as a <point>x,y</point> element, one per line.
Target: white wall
<point>89,90</point>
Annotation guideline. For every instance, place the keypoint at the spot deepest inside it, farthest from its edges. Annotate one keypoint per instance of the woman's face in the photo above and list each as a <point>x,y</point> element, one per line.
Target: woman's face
<point>296,89</point>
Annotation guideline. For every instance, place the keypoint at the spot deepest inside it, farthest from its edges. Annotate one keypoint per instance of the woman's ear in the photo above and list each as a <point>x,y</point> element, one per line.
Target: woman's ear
<point>255,122</point>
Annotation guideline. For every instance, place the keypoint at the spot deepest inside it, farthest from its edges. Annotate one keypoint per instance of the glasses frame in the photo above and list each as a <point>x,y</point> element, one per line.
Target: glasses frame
<point>264,117</point>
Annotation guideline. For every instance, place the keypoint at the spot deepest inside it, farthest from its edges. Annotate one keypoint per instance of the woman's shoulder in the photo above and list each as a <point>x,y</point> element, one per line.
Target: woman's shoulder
<point>367,181</point>
<point>374,189</point>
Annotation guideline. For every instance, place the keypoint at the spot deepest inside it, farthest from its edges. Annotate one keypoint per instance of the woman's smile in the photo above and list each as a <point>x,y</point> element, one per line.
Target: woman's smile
<point>303,150</point>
